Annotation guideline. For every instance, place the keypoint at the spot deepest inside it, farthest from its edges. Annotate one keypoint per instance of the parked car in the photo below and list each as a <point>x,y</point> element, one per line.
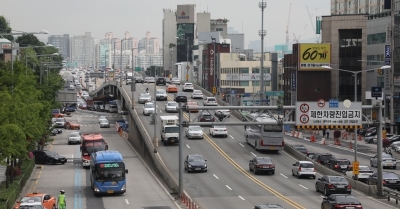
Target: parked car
<point>333,184</point>
<point>364,132</point>
<point>262,164</point>
<point>339,165</point>
<point>323,158</point>
<point>194,132</point>
<point>303,168</point>
<point>171,106</point>
<point>197,94</point>
<point>74,138</point>
<point>48,157</point>
<point>218,130</point>
<point>371,132</point>
<point>387,161</point>
<point>210,101</point>
<point>390,180</point>
<point>195,162</point>
<point>393,138</point>
<point>301,148</point>
<point>364,173</point>
<point>343,201</point>
<point>180,97</point>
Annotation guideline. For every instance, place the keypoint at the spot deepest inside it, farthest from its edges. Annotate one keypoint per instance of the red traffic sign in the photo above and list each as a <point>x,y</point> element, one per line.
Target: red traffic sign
<point>304,119</point>
<point>304,108</point>
<point>321,103</point>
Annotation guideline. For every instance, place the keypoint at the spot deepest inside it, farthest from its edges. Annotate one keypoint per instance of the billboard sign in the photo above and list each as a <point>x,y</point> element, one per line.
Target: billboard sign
<point>185,13</point>
<point>314,56</point>
<point>248,77</point>
<point>347,113</point>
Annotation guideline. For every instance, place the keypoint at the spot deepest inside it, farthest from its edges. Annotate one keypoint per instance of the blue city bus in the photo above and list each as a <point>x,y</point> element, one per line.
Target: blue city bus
<point>107,173</point>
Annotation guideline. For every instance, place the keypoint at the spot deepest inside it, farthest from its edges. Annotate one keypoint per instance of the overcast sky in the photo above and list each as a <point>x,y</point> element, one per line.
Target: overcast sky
<point>75,17</point>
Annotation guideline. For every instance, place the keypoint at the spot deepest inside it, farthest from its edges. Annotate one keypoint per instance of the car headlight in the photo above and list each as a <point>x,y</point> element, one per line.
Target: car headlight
<point>123,187</point>
<point>205,165</point>
<point>96,189</point>
<point>56,158</point>
<point>189,166</point>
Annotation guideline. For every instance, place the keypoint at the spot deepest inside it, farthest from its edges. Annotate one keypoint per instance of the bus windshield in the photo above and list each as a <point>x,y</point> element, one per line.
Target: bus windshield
<point>109,171</point>
<point>272,128</point>
<point>91,147</point>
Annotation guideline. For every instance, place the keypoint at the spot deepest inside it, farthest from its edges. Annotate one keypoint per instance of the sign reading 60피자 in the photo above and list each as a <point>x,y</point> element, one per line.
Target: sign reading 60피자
<point>314,56</point>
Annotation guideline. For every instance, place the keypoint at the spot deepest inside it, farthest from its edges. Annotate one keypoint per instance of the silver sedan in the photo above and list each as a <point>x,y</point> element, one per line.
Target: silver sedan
<point>104,124</point>
<point>194,132</point>
<point>74,137</point>
<point>387,161</point>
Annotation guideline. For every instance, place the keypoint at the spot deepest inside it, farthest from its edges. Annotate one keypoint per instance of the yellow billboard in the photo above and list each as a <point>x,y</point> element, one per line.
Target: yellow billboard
<point>314,56</point>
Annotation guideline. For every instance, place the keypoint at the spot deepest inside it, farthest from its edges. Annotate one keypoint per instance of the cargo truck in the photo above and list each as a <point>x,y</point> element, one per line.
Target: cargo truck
<point>169,129</point>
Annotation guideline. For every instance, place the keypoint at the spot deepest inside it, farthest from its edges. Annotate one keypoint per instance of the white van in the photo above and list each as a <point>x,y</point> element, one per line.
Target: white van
<point>113,108</point>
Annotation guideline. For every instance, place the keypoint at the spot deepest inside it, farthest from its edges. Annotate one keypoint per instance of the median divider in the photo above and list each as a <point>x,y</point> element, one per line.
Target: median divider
<point>370,190</point>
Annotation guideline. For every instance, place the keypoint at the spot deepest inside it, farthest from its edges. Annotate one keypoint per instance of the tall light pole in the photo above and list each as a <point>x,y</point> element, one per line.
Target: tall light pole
<point>133,84</point>
<point>262,33</point>
<point>379,142</point>
<point>41,74</point>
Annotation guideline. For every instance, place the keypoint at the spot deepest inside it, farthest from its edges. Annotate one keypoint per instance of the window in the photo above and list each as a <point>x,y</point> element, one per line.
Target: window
<point>195,47</point>
<point>255,83</point>
<point>244,83</point>
<point>244,70</point>
<point>255,70</point>
<point>377,38</point>
<point>219,29</point>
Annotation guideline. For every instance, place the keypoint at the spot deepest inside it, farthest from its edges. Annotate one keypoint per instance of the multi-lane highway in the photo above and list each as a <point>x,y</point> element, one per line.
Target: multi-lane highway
<point>144,189</point>
<point>228,183</point>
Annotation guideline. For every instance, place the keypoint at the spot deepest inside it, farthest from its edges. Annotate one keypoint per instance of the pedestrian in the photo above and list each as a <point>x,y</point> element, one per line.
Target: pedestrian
<point>327,133</point>
<point>323,132</point>
<point>61,201</point>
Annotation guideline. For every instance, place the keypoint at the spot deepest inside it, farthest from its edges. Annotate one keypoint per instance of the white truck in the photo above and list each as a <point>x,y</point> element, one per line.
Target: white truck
<point>128,78</point>
<point>169,129</point>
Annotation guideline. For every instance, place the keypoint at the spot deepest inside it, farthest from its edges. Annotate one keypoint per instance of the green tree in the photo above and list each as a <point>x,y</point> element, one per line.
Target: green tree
<point>4,27</point>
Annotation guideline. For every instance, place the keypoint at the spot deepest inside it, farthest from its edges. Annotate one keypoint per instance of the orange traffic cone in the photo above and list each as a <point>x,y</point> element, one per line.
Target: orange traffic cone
<point>312,138</point>
<point>351,145</point>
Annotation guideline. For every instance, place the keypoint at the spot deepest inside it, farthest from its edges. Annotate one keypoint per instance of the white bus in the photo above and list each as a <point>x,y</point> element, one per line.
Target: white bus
<point>264,137</point>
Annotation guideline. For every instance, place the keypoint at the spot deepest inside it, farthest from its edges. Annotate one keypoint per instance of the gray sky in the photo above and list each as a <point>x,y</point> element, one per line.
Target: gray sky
<point>75,17</point>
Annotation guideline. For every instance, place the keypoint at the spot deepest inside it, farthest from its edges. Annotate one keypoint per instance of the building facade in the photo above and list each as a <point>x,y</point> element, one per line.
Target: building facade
<point>82,50</point>
<point>340,7</point>
<point>185,32</point>
<point>219,25</point>
<point>211,73</point>
<point>237,41</point>
<point>62,43</point>
<point>169,41</point>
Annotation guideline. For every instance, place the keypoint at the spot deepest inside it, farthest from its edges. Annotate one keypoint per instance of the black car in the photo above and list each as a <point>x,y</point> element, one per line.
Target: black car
<point>195,162</point>
<point>269,206</point>
<point>180,97</point>
<point>390,180</point>
<point>48,157</point>
<point>340,201</point>
<point>262,164</point>
<point>339,165</point>
<point>323,158</point>
<point>206,117</point>
<point>161,80</point>
<point>139,80</point>
<point>301,148</point>
<point>333,184</point>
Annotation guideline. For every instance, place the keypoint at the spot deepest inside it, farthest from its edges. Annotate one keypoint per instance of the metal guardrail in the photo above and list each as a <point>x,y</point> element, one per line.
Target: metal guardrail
<point>390,193</point>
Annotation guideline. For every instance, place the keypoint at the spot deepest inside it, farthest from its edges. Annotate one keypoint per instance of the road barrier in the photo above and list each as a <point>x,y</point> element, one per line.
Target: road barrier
<point>390,193</point>
<point>189,203</point>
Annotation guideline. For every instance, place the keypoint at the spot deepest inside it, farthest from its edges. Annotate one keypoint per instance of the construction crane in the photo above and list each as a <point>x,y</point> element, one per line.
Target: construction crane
<point>287,26</point>
<point>312,24</point>
<point>296,39</point>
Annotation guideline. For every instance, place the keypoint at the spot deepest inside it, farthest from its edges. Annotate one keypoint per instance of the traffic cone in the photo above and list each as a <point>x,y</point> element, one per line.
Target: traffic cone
<point>323,141</point>
<point>351,145</point>
<point>312,138</point>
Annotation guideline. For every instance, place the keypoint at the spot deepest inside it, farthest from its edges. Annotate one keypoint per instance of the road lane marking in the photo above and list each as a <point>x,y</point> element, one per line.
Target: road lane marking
<point>215,176</point>
<point>231,136</point>
<point>126,201</point>
<point>284,176</point>
<point>187,146</point>
<point>241,144</point>
<point>228,187</point>
<point>241,197</point>
<point>161,111</point>
<point>303,186</point>
<point>253,154</point>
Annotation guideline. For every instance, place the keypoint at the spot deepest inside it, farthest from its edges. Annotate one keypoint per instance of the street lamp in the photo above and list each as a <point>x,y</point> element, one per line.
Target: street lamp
<point>187,57</point>
<point>41,75</point>
<point>133,63</point>
<point>355,73</point>
<point>262,5</point>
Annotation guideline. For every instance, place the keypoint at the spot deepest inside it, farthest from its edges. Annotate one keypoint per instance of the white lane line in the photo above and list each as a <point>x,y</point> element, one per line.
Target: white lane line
<point>241,144</point>
<point>187,146</point>
<point>126,201</point>
<point>215,176</point>
<point>253,154</point>
<point>303,186</point>
<point>161,111</point>
<point>241,197</point>
<point>157,106</point>
<point>284,176</point>
<point>72,156</point>
<point>228,187</point>
<point>231,136</point>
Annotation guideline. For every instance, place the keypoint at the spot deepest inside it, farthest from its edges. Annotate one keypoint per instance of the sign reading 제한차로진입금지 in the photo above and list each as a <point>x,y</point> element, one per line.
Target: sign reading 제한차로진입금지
<point>315,114</point>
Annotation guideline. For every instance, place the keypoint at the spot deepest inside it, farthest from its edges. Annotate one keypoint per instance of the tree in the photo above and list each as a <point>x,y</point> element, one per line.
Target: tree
<point>171,45</point>
<point>4,27</point>
<point>30,40</point>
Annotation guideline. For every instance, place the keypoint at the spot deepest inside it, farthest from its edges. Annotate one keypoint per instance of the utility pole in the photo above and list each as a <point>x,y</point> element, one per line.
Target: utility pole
<point>392,69</point>
<point>262,33</point>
